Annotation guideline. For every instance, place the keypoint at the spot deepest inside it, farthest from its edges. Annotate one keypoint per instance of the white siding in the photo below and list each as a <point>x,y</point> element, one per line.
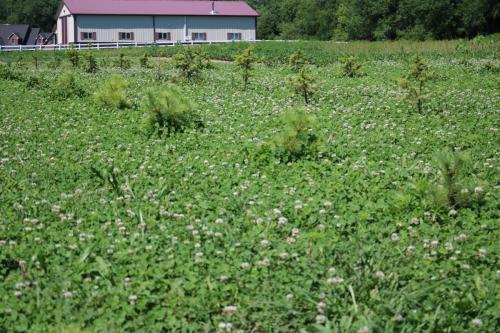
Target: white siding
<point>108,27</point>
<point>71,26</point>
<point>181,28</point>
<point>172,24</point>
<point>217,28</point>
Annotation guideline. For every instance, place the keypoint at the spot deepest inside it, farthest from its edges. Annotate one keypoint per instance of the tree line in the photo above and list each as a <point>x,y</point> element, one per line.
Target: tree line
<point>376,19</point>
<point>330,19</point>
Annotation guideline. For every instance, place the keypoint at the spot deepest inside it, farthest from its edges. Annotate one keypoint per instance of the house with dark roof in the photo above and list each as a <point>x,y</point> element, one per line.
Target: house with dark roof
<point>154,21</point>
<point>18,34</point>
<point>23,34</point>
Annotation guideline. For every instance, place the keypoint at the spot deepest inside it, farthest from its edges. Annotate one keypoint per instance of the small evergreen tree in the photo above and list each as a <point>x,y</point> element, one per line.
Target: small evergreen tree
<point>415,82</point>
<point>190,64</point>
<point>244,62</point>
<point>144,61</point>
<point>91,66</point>
<point>123,62</point>
<point>73,56</point>
<point>351,67</point>
<point>169,112</point>
<point>303,85</point>
<point>453,189</point>
<point>113,94</point>
<point>298,139</point>
<point>297,61</point>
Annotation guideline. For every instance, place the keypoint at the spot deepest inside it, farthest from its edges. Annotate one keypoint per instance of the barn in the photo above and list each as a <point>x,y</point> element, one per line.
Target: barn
<point>154,21</point>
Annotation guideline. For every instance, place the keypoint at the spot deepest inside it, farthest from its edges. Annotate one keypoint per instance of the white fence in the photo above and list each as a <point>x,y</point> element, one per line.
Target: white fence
<point>102,46</point>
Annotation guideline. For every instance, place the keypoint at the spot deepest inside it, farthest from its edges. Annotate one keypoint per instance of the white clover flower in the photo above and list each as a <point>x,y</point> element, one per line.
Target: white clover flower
<point>219,221</point>
<point>18,293</point>
<point>327,204</point>
<point>264,242</point>
<point>282,220</point>
<point>68,294</point>
<point>478,190</point>
<point>380,275</point>
<point>482,252</point>
<point>334,281</point>
<point>364,329</point>
<point>477,322</point>
<point>394,237</point>
<point>320,319</point>
<point>289,296</point>
<point>265,262</point>
<point>290,240</point>
<point>284,255</point>
<point>295,232</point>
<point>452,212</point>
<point>132,299</point>
<point>245,265</point>
<point>230,310</point>
<point>321,307</point>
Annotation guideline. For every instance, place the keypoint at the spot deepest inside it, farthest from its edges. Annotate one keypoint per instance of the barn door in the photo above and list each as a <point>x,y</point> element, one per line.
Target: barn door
<point>64,30</point>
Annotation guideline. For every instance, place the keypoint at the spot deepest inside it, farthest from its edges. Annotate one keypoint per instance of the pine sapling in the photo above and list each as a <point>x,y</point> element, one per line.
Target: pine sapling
<point>303,85</point>
<point>415,82</point>
<point>297,61</point>
<point>244,62</point>
<point>351,67</point>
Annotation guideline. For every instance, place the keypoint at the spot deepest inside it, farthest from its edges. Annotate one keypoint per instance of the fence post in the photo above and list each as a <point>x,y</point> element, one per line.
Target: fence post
<point>98,46</point>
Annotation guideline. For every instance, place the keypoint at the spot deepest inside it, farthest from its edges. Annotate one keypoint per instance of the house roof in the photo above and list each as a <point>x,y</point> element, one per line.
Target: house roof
<point>33,36</point>
<point>6,30</point>
<point>159,7</point>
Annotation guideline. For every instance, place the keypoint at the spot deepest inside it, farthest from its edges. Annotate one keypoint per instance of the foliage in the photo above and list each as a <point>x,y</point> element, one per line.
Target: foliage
<point>297,61</point>
<point>73,56</point>
<point>194,234</point>
<point>68,85</point>
<point>123,62</point>
<point>145,62</point>
<point>10,72</point>
<point>303,85</point>
<point>169,112</point>
<point>244,62</point>
<point>113,94</point>
<point>298,139</point>
<point>191,63</point>
<point>414,83</point>
<point>453,190</point>
<point>351,67</point>
<point>91,65</point>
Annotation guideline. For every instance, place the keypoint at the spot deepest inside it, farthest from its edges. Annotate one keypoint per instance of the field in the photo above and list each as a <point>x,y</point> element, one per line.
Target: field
<point>106,228</point>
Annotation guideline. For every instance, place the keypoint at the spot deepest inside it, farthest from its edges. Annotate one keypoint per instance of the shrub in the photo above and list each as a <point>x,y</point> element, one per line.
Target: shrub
<point>144,61</point>
<point>303,85</point>
<point>91,66</point>
<point>453,189</point>
<point>73,56</point>
<point>414,83</point>
<point>123,62</point>
<point>244,62</point>
<point>10,72</point>
<point>191,64</point>
<point>298,139</point>
<point>350,67</point>
<point>168,112</point>
<point>297,61</point>
<point>67,86</point>
<point>113,95</point>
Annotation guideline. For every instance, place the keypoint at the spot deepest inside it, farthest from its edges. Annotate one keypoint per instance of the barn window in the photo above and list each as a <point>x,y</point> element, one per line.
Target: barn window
<point>88,36</point>
<point>126,35</point>
<point>163,36</point>
<point>199,36</point>
<point>234,36</point>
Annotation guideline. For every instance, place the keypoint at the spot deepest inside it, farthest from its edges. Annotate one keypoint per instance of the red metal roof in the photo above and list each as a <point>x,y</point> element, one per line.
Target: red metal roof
<point>160,7</point>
